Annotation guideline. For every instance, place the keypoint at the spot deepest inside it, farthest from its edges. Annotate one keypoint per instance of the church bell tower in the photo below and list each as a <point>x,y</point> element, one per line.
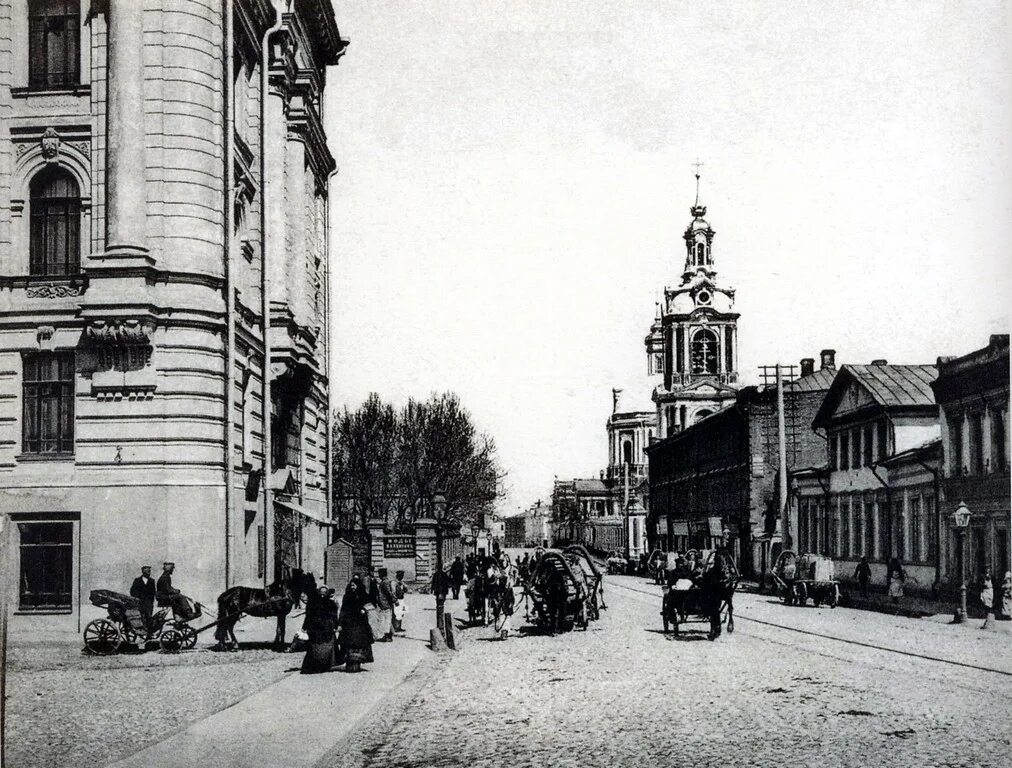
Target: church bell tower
<point>692,347</point>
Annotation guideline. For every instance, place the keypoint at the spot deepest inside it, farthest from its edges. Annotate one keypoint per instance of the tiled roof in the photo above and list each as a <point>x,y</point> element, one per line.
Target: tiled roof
<point>590,486</point>
<point>813,382</point>
<point>897,385</point>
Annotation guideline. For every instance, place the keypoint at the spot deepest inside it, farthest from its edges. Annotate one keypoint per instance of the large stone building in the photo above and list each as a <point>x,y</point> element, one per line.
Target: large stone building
<point>164,178</point>
<point>972,392</point>
<point>692,347</point>
<point>720,476</point>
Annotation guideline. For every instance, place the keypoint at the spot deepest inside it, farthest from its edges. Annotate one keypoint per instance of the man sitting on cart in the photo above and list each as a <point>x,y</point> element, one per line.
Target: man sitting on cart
<point>167,595</point>
<point>682,577</point>
<point>143,589</point>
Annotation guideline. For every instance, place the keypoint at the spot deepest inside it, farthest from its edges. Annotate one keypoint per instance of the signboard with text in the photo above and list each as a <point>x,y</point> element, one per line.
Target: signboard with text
<point>398,546</point>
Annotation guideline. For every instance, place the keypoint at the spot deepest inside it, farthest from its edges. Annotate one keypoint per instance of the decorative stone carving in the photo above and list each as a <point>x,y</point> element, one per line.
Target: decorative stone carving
<point>120,332</point>
<point>44,336</point>
<point>53,290</point>
<point>50,143</point>
<point>21,147</point>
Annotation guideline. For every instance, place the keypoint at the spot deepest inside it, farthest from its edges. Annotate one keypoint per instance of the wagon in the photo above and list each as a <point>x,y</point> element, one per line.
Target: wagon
<point>582,565</point>
<point>557,593</point>
<point>707,597</point>
<point>803,577</point>
<point>125,624</point>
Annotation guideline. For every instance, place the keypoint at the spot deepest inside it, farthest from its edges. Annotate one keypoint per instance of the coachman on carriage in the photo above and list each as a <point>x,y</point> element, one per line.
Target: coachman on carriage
<point>562,595</point>
<point>706,594</point>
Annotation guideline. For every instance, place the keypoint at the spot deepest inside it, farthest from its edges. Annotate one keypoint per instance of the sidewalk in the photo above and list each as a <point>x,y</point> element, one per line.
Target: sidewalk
<point>295,721</point>
<point>911,606</point>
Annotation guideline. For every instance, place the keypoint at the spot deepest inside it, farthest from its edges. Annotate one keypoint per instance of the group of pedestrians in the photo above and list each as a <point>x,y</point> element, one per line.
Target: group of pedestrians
<point>372,610</point>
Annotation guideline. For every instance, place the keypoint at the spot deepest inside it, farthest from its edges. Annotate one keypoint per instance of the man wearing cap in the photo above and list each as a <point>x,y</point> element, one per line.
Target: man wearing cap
<point>143,588</point>
<point>168,595</point>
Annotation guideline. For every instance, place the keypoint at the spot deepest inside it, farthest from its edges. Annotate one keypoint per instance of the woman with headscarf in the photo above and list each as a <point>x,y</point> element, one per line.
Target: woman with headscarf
<point>355,636</point>
<point>320,626</point>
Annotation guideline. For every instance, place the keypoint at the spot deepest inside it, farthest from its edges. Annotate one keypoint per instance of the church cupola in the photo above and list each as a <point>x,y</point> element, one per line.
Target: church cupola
<point>698,240</point>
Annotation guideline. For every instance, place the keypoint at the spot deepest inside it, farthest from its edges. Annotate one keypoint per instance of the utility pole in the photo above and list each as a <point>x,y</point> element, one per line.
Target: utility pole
<point>785,534</point>
<point>625,509</point>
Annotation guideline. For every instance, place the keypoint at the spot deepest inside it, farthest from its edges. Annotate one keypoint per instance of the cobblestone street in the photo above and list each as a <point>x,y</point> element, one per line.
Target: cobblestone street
<point>622,694</point>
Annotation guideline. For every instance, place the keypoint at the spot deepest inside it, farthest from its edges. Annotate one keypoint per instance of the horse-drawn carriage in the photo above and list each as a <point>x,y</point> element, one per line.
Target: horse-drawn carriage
<point>125,623</point>
<point>704,595</point>
<point>560,593</point>
<point>800,577</point>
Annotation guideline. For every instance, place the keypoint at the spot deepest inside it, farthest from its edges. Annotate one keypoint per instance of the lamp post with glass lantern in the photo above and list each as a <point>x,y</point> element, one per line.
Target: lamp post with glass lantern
<point>961,520</point>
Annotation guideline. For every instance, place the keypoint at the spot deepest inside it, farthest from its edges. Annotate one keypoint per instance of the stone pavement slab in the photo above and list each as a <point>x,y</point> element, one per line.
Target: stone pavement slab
<point>297,719</point>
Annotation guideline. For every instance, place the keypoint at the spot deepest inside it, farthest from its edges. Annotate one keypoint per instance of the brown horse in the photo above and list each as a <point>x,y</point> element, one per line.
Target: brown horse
<point>277,600</point>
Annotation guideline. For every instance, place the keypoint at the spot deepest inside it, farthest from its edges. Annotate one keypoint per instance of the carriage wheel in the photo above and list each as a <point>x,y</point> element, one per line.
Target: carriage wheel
<point>102,637</point>
<point>171,641</point>
<point>131,637</point>
<point>189,635</point>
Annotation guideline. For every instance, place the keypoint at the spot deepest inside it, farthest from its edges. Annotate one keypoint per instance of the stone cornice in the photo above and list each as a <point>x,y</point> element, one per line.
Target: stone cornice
<point>318,15</point>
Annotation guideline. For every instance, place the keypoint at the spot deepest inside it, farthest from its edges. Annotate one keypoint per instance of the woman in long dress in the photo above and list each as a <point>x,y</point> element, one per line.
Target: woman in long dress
<point>355,635</point>
<point>320,626</point>
<point>896,577</point>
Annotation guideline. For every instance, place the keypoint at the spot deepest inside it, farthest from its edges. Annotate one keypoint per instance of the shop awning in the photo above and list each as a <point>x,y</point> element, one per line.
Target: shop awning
<point>316,517</point>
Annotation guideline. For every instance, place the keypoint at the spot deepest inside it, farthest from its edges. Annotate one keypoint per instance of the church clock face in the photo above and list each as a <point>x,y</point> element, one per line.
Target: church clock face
<point>703,298</point>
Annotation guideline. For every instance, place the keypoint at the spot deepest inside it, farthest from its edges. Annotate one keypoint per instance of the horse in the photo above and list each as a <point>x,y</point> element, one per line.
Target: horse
<point>717,586</point>
<point>277,600</point>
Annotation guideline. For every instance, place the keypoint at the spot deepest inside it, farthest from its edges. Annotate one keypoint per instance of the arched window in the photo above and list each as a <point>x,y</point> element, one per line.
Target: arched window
<point>700,415</point>
<point>55,247</point>
<point>704,351</point>
<point>700,253</point>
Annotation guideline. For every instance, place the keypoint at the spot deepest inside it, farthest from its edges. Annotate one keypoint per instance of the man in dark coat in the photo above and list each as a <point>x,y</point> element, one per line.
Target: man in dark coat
<point>456,576</point>
<point>440,586</point>
<point>167,595</point>
<point>143,588</point>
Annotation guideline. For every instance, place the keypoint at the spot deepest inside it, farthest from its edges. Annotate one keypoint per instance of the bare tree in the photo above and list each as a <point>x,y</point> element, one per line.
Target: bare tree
<point>365,462</point>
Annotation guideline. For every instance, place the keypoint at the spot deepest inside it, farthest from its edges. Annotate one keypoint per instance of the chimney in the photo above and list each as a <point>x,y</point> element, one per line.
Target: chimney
<point>880,361</point>
<point>828,359</point>
<point>807,366</point>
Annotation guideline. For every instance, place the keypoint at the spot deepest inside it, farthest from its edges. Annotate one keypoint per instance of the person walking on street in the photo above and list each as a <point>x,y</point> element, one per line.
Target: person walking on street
<point>383,597</point>
<point>895,577</point>
<point>456,576</point>
<point>863,573</point>
<point>355,636</point>
<point>320,626</point>
<point>400,589</point>
<point>440,587</point>
<point>143,589</point>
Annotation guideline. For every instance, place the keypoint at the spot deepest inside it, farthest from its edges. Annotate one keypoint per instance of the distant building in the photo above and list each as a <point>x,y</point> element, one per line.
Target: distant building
<point>721,474</point>
<point>972,392</point>
<point>515,531</point>
<point>692,347</point>
<point>874,493</point>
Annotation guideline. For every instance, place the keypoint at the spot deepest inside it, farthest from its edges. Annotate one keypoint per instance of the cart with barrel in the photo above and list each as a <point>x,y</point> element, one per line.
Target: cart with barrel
<point>800,578</point>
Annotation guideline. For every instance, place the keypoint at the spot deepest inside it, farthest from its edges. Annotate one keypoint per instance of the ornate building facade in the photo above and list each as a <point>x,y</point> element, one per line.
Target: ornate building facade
<point>164,393</point>
<point>692,347</point>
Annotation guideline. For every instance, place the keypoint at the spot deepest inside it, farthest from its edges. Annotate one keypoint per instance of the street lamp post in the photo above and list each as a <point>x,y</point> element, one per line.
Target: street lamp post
<point>961,520</point>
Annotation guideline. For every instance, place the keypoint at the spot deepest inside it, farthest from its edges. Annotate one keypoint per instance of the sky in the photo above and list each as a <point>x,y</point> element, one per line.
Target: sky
<point>514,181</point>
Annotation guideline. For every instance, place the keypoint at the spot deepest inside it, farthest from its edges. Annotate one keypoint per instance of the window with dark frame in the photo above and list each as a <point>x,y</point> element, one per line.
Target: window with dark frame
<point>976,446</point>
<point>48,404</point>
<point>916,529</point>
<point>866,445</point>
<point>855,459</point>
<point>46,580</point>
<point>844,450</point>
<point>54,36</point>
<point>998,445</point>
<point>704,351</point>
<point>883,438</point>
<point>54,247</point>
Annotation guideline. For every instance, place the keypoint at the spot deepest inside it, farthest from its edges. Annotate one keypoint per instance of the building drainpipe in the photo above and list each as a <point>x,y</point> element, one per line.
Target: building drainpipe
<point>229,120</point>
<point>937,523</point>
<point>330,353</point>
<point>265,301</point>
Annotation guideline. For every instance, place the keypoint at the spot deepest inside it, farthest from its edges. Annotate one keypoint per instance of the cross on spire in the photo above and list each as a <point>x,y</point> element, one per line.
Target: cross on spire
<point>697,165</point>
